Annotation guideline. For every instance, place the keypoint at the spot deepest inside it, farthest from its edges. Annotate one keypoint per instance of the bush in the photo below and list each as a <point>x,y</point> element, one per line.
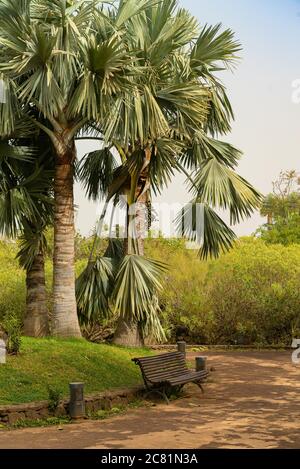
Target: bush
<point>250,295</point>
<point>284,231</point>
<point>12,326</point>
<point>184,299</point>
<point>254,294</point>
<point>12,282</point>
<point>54,397</point>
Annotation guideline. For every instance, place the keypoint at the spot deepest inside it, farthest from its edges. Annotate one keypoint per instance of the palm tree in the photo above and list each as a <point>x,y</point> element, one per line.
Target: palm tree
<point>168,122</point>
<point>25,211</point>
<point>63,63</point>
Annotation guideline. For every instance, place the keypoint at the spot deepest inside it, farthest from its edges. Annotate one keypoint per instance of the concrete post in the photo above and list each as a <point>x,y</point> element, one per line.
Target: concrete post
<point>181,347</point>
<point>77,404</point>
<point>200,363</point>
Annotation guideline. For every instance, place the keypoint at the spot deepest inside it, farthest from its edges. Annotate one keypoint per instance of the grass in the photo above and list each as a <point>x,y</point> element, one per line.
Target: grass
<point>44,363</point>
<point>118,410</point>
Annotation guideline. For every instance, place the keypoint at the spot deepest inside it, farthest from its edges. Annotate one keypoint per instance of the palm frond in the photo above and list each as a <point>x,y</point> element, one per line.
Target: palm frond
<point>160,30</point>
<point>93,290</point>
<point>137,282</point>
<point>163,163</point>
<point>205,148</point>
<point>220,112</point>
<point>151,327</point>
<point>199,223</point>
<point>96,172</point>
<point>214,47</point>
<point>115,249</point>
<point>9,107</point>
<point>32,242</point>
<point>221,187</point>
<point>130,8</point>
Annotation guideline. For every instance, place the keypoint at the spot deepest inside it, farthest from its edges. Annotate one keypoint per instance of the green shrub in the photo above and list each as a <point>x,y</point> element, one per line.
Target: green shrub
<point>12,326</point>
<point>184,299</point>
<point>250,295</point>
<point>12,282</point>
<point>54,397</point>
<point>254,294</point>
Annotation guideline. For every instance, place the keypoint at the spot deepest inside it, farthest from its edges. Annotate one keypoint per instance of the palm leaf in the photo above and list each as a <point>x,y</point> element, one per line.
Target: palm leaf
<point>220,186</point>
<point>199,223</point>
<point>213,47</point>
<point>31,243</point>
<point>206,148</point>
<point>93,290</point>
<point>137,282</point>
<point>96,172</point>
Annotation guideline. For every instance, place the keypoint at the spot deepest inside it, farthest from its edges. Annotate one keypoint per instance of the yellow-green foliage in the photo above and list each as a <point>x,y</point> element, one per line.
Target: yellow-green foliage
<point>254,293</point>
<point>249,295</point>
<point>12,282</point>
<point>183,298</point>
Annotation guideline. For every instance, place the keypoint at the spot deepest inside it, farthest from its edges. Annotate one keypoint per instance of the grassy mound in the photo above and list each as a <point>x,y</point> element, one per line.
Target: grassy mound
<point>56,363</point>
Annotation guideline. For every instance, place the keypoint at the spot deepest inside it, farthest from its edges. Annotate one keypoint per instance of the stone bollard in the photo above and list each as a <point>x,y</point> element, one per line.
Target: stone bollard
<point>77,404</point>
<point>181,347</point>
<point>200,363</point>
<point>2,352</point>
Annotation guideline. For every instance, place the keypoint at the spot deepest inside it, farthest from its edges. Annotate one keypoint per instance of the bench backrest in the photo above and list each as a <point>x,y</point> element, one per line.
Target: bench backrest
<point>160,367</point>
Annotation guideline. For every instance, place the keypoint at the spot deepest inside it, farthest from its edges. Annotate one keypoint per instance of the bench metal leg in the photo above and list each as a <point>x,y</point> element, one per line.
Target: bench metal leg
<point>200,386</point>
<point>161,393</point>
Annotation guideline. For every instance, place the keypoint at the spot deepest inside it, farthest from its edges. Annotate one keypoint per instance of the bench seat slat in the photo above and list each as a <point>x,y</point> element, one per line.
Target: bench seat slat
<point>165,369</point>
<point>162,358</point>
<point>164,375</point>
<point>164,366</point>
<point>181,378</point>
<point>190,377</point>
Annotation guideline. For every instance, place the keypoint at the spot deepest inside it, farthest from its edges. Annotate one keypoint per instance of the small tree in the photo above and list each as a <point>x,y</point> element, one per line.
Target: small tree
<point>282,208</point>
<point>285,198</point>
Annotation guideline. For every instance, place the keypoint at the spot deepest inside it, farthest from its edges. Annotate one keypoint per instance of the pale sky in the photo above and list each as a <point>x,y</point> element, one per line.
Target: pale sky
<point>267,122</point>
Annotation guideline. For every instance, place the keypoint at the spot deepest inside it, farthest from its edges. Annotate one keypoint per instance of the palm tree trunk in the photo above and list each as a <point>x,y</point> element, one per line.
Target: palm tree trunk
<point>65,319</point>
<point>36,320</point>
<point>128,332</point>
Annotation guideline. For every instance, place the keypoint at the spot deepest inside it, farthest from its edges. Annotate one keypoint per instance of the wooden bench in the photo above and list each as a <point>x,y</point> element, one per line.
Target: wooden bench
<point>162,373</point>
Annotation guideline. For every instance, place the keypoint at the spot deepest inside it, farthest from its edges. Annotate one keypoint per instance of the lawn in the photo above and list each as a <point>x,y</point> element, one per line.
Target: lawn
<point>56,363</point>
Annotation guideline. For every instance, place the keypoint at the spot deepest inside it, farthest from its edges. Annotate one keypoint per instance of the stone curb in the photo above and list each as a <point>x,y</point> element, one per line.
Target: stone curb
<point>212,348</point>
<point>11,414</point>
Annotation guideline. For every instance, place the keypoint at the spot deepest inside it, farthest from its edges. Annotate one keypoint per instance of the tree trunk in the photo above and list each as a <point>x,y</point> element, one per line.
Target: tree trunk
<point>65,319</point>
<point>128,332</point>
<point>141,224</point>
<point>36,320</point>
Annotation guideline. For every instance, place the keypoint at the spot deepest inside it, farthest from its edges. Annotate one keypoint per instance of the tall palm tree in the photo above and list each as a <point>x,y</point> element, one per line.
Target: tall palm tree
<point>26,209</point>
<point>168,122</point>
<point>65,59</point>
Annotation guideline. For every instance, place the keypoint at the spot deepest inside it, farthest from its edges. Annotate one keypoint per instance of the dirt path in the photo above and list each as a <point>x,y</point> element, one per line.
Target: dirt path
<point>252,401</point>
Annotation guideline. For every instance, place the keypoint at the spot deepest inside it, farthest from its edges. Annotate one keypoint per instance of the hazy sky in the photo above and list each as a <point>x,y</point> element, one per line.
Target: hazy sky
<point>267,122</point>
